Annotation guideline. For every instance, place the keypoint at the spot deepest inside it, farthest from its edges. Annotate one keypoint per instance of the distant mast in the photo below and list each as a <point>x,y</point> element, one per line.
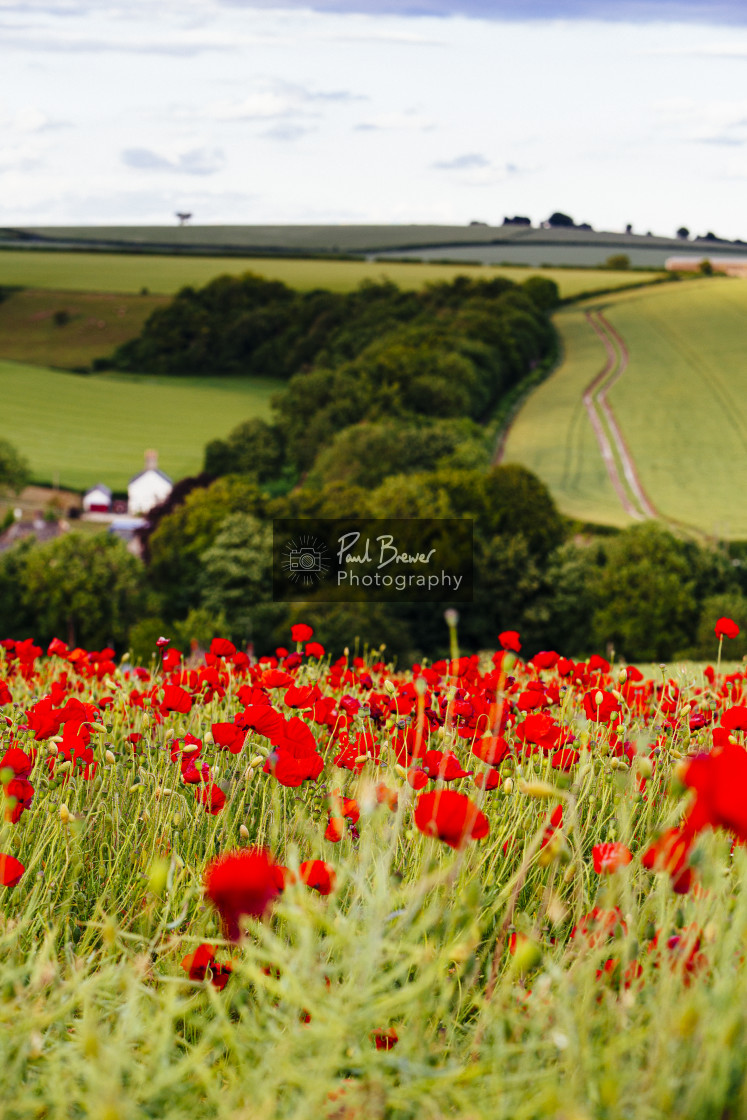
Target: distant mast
<point>183,218</point>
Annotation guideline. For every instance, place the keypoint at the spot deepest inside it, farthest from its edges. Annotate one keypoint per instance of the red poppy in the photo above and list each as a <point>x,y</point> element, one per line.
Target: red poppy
<point>238,883</point>
<point>450,816</point>
<point>609,857</point>
<point>555,822</point>
<point>599,926</point>
<point>11,870</point>
<point>18,761</point>
<point>416,778</point>
<point>5,696</point>
<point>564,759</point>
<point>509,639</point>
<point>487,781</point>
<point>670,852</point>
<point>735,719</point>
<point>600,706</point>
<point>445,767</point>
<point>212,797</point>
<point>176,699</point>
<point>314,649</point>
<point>221,647</point>
<point>228,736</point>
<point>720,783</point>
<point>492,749</point>
<point>385,1040</point>
<point>19,794</point>
<point>301,632</point>
<point>196,965</point>
<point>318,875</point>
<point>726,628</point>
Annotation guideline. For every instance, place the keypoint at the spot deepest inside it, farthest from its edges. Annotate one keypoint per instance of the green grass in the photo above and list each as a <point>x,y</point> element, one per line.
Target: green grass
<point>98,323</point>
<point>680,405</point>
<point>77,430</point>
<point>128,273</point>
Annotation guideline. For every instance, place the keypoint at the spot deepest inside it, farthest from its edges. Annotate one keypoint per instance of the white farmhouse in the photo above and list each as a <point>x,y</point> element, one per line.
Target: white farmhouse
<point>98,499</point>
<point>149,488</point>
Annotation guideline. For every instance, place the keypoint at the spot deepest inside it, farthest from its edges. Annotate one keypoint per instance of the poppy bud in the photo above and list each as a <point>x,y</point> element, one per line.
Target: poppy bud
<point>538,789</point>
<point>256,761</point>
<point>599,697</point>
<point>622,676</point>
<point>243,832</point>
<point>64,814</point>
<point>390,687</point>
<point>508,785</point>
<point>209,740</point>
<point>110,758</point>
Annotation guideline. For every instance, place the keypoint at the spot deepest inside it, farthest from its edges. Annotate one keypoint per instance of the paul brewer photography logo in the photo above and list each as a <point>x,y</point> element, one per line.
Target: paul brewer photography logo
<point>385,560</point>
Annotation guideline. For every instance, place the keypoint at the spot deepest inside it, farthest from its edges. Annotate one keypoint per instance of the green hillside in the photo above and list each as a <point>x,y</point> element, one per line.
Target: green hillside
<point>131,273</point>
<point>78,430</point>
<point>680,404</point>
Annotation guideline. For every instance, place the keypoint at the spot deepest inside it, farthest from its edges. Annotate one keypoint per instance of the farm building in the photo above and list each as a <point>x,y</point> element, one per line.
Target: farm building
<point>149,488</point>
<point>98,499</point>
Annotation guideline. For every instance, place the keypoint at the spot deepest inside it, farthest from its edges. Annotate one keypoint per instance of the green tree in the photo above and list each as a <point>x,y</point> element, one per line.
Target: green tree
<point>252,448</point>
<point>236,577</point>
<point>177,544</point>
<point>647,606</point>
<point>14,469</point>
<point>86,590</point>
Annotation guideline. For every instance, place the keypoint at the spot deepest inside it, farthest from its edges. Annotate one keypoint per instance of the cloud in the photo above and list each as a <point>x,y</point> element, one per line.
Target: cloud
<point>463,163</point>
<point>196,161</point>
<point>387,122</point>
<point>282,131</point>
<point>273,99</point>
<point>628,11</point>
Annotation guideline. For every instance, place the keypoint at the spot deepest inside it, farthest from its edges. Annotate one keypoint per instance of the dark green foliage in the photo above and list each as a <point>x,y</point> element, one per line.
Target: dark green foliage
<point>543,291</point>
<point>253,448</point>
<point>14,469</point>
<point>86,590</point>
<point>365,454</point>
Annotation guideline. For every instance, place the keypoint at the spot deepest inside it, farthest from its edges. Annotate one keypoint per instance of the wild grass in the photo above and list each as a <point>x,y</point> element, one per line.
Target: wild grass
<point>100,1020</point>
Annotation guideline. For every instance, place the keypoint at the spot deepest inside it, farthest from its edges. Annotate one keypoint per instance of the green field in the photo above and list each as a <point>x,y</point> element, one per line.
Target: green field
<point>98,322</point>
<point>130,273</point>
<point>680,405</point>
<point>77,430</point>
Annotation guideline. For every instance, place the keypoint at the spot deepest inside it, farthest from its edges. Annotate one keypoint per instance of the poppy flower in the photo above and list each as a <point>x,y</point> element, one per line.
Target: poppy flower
<point>417,779</point>
<point>212,797</point>
<point>221,647</point>
<point>599,926</point>
<point>228,736</point>
<point>545,659</point>
<point>19,794</point>
<point>600,706</point>
<point>318,875</point>
<point>488,780</point>
<point>719,780</point>
<point>385,1040</point>
<point>176,699</point>
<point>609,857</point>
<point>196,965</point>
<point>450,816</point>
<point>239,883</point>
<point>11,870</point>
<point>301,632</point>
<point>726,628</point>
<point>314,649</point>
<point>564,759</point>
<point>670,852</point>
<point>509,639</point>
<point>491,749</point>
<point>555,822</point>
<point>735,719</point>
<point>445,767</point>
<point>18,761</point>
<point>5,696</point>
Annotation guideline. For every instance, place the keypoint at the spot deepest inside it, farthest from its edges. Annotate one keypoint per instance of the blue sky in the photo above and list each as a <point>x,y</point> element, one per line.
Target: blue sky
<point>348,111</point>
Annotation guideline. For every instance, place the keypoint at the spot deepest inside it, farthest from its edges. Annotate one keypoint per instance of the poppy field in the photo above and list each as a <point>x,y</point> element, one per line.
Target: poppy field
<point>489,886</point>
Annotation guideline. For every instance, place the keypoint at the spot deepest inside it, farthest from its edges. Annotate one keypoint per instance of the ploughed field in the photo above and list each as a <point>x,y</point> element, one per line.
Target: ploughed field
<point>296,888</point>
<point>646,415</point>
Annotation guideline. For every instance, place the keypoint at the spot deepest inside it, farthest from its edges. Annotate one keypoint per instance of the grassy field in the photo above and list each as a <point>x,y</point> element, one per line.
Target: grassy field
<point>97,323</point>
<point>77,430</point>
<point>680,405</point>
<point>110,272</point>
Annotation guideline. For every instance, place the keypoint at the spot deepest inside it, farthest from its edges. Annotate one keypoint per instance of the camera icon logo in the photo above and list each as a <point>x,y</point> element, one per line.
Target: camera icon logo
<point>306,561</point>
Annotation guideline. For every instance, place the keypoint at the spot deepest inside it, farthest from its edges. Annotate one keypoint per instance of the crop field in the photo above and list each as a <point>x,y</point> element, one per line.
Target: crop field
<point>131,273</point>
<point>655,382</point>
<point>273,889</point>
<point>77,430</point>
<point>69,329</point>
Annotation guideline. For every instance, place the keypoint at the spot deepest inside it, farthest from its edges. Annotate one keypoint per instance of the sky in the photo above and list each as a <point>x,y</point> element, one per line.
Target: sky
<point>374,111</point>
